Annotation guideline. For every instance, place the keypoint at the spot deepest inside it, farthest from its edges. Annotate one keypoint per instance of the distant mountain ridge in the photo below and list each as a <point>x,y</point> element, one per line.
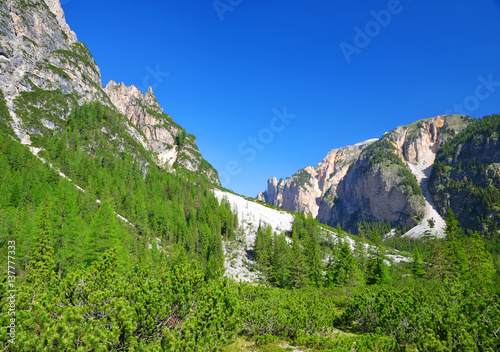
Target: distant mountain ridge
<point>382,180</point>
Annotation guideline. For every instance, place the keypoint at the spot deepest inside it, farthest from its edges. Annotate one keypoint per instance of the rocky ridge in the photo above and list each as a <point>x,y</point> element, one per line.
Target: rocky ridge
<point>44,71</point>
<point>386,180</point>
<point>466,177</point>
<point>304,191</point>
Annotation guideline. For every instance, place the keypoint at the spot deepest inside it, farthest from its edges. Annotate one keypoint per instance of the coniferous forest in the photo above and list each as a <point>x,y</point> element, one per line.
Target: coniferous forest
<point>152,278</point>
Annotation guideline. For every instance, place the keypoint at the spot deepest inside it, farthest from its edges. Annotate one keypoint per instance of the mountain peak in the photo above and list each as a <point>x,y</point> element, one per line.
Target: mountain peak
<point>56,9</point>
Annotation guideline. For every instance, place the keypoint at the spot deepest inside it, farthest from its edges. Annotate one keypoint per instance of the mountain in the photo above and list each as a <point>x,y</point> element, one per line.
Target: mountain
<point>45,72</point>
<point>384,180</point>
<point>304,191</point>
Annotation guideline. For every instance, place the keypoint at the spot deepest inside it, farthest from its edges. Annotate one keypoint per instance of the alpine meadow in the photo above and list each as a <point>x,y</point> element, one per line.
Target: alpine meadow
<point>117,233</point>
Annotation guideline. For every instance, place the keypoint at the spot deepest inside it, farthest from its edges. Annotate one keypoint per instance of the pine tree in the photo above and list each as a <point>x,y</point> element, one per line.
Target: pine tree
<point>313,257</point>
<point>68,228</point>
<point>42,261</point>
<point>280,270</point>
<point>104,233</point>
<point>298,274</point>
<point>377,271</point>
<point>417,264</point>
<point>457,257</point>
<point>479,262</point>
<point>347,267</point>
<point>264,249</point>
<point>439,258</point>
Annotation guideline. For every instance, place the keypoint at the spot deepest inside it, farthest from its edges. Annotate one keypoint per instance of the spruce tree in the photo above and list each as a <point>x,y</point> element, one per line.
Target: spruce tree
<point>280,270</point>
<point>377,271</point>
<point>417,264</point>
<point>104,234</point>
<point>314,257</point>
<point>479,262</point>
<point>42,261</point>
<point>347,267</point>
<point>298,274</point>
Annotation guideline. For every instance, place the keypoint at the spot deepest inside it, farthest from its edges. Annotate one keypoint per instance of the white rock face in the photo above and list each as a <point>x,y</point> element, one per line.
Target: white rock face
<point>55,7</point>
<point>251,214</point>
<point>39,49</point>
<point>420,157</point>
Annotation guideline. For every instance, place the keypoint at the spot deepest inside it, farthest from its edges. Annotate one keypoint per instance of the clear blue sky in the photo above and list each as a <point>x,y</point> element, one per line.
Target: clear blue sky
<point>230,69</point>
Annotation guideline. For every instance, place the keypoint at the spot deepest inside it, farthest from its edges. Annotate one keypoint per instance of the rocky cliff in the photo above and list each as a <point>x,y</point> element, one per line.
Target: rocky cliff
<point>168,141</point>
<point>379,180</point>
<point>304,191</point>
<point>45,71</point>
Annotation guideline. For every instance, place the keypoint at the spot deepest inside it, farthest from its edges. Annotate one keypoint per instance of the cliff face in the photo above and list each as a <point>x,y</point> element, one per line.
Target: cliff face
<point>304,191</point>
<point>389,181</point>
<point>38,50</point>
<point>45,71</point>
<point>379,180</point>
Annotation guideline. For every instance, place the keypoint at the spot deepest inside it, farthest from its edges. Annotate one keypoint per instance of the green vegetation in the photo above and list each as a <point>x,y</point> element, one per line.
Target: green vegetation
<point>37,104</point>
<point>301,178</point>
<point>89,281</point>
<point>58,71</point>
<point>5,117</point>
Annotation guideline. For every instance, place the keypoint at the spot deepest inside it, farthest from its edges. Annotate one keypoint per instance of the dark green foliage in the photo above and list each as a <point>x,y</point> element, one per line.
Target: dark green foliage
<point>366,228</point>
<point>343,268</point>
<point>449,317</point>
<point>302,177</point>
<point>377,271</point>
<point>285,313</point>
<point>417,264</point>
<point>179,139</point>
<point>409,181</point>
<point>144,310</point>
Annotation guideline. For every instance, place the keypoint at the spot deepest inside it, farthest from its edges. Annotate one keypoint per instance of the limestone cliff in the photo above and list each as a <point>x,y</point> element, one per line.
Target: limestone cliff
<point>165,138</point>
<point>303,191</point>
<point>39,51</point>
<point>378,180</point>
<point>45,71</point>
<point>389,180</point>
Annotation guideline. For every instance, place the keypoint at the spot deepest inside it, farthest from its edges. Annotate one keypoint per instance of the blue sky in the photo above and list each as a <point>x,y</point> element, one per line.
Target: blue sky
<point>346,71</point>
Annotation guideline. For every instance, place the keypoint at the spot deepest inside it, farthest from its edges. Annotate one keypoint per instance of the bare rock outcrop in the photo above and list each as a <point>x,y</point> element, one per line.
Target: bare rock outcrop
<point>304,191</point>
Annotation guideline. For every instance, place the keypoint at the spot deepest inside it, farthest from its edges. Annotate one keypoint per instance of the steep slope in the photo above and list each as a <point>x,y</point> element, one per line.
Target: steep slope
<point>374,181</point>
<point>466,177</point>
<point>304,191</point>
<point>160,134</point>
<point>45,72</point>
<point>385,183</point>
<point>240,264</point>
